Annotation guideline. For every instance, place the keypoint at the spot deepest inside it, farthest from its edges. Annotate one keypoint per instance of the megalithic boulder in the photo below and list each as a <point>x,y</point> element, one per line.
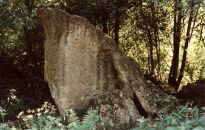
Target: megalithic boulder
<point>83,64</point>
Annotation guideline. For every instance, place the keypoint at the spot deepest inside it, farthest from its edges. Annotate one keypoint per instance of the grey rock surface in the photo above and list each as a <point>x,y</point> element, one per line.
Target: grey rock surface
<point>78,59</point>
<point>82,64</point>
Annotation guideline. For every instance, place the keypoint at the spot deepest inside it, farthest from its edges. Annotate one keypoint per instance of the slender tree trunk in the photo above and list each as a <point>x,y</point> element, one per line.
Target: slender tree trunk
<point>201,31</point>
<point>156,37</point>
<point>29,4</point>
<point>28,38</point>
<point>117,23</point>
<point>176,45</point>
<point>148,62</point>
<point>105,26</point>
<point>151,54</point>
<point>187,41</point>
<point>150,40</point>
<point>1,37</point>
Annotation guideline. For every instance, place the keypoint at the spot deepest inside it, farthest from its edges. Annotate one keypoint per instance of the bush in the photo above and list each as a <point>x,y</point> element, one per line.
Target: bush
<point>186,118</point>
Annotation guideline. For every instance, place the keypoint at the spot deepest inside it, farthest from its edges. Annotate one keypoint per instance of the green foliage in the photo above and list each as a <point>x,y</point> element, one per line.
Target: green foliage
<point>12,106</point>
<point>6,127</point>
<point>185,118</point>
<point>14,14</point>
<point>88,122</point>
<point>2,114</point>
<point>137,36</point>
<point>3,125</point>
<point>42,121</point>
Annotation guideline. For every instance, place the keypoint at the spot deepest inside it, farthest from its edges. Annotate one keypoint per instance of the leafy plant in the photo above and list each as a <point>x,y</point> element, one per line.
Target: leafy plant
<point>2,114</point>
<point>12,106</point>
<point>88,122</point>
<point>43,121</point>
<point>185,118</point>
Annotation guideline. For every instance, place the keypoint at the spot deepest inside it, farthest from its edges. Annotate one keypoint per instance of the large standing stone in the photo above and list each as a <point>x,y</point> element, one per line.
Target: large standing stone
<point>82,64</point>
<point>78,59</point>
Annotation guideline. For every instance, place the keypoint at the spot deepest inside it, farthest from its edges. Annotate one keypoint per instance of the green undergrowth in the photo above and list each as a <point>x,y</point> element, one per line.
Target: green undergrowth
<point>46,120</point>
<point>185,118</point>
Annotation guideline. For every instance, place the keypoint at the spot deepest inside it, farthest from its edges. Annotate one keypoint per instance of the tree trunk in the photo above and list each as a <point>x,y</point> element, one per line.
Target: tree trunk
<point>151,54</point>
<point>105,28</point>
<point>150,40</point>
<point>156,37</point>
<point>187,40</point>
<point>176,45</point>
<point>117,22</point>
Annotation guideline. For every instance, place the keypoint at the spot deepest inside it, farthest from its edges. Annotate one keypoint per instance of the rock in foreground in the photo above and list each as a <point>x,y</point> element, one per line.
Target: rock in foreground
<point>82,64</point>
